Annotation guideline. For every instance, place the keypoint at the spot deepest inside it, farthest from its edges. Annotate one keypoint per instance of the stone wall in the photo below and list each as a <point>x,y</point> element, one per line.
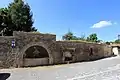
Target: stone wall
<point>35,62</point>
<point>6,52</point>
<point>107,50</point>
<point>80,51</point>
<point>25,40</point>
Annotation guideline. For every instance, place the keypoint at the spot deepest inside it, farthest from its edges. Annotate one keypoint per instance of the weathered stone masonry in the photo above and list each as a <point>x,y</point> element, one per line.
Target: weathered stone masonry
<point>49,50</point>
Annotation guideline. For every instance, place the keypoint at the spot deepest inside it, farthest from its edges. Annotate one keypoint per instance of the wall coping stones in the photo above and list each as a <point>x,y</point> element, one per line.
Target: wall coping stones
<point>36,33</point>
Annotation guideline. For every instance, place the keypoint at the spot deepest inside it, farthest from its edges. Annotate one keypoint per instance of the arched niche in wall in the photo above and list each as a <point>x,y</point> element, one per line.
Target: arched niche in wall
<point>36,52</point>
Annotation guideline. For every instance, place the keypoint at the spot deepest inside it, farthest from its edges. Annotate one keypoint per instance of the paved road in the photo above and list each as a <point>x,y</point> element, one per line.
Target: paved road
<point>105,69</point>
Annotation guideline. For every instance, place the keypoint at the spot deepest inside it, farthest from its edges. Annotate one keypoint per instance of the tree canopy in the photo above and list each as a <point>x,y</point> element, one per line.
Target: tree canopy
<point>16,17</point>
<point>117,41</point>
<point>68,36</point>
<point>92,37</point>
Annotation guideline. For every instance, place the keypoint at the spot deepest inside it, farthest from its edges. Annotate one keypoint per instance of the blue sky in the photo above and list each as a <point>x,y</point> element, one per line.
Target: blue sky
<point>80,16</point>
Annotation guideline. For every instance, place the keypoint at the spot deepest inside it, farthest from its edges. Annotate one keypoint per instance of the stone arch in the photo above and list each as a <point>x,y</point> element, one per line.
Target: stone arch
<point>39,44</point>
<point>36,52</point>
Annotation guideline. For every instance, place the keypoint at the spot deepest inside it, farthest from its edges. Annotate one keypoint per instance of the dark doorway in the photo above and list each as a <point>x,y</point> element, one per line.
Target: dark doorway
<point>118,50</point>
<point>68,58</point>
<point>91,52</point>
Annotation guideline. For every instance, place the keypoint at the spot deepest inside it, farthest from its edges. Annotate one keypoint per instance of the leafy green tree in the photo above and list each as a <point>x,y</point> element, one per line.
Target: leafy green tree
<point>68,36</point>
<point>5,22</point>
<point>17,17</point>
<point>108,43</point>
<point>117,41</point>
<point>21,16</point>
<point>98,40</point>
<point>75,38</point>
<point>92,37</point>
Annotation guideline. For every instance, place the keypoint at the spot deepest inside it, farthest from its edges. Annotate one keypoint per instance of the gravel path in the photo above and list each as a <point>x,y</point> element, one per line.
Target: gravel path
<point>105,69</point>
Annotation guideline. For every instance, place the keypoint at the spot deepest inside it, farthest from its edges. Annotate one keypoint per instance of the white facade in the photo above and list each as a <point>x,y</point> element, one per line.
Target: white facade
<point>115,50</point>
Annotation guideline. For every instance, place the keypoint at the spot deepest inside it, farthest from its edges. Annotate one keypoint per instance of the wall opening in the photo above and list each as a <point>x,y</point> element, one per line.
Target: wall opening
<point>118,50</point>
<point>36,56</point>
<point>67,56</point>
<point>115,50</point>
<point>36,52</point>
<point>91,52</point>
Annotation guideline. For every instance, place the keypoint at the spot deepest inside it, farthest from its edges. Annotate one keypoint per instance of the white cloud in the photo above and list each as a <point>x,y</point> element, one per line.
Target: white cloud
<point>102,24</point>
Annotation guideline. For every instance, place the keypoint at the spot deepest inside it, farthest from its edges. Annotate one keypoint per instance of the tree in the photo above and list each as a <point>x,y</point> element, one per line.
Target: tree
<point>92,37</point>
<point>82,37</point>
<point>17,17</point>
<point>99,41</point>
<point>75,38</point>
<point>108,43</point>
<point>68,36</point>
<point>21,16</point>
<point>117,41</point>
<point>71,36</point>
<point>5,22</point>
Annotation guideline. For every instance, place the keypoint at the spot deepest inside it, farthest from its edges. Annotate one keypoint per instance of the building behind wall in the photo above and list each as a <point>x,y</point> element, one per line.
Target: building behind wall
<point>35,49</point>
<point>116,49</point>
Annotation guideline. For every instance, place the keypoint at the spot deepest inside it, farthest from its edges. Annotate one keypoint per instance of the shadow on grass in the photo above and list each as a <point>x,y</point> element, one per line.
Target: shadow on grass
<point>4,76</point>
